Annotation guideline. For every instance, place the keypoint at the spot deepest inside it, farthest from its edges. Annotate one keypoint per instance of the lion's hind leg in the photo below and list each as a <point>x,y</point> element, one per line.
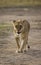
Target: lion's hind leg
<point>24,46</point>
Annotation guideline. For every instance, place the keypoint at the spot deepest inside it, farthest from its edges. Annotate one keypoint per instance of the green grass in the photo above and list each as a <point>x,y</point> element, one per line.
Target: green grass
<point>7,3</point>
<point>5,29</point>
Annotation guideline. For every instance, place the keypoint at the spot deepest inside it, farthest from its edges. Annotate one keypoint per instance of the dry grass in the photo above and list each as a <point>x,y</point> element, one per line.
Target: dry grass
<point>8,3</point>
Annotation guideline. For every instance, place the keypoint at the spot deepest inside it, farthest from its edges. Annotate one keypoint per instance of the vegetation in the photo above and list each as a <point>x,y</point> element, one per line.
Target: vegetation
<point>7,3</point>
<point>5,29</point>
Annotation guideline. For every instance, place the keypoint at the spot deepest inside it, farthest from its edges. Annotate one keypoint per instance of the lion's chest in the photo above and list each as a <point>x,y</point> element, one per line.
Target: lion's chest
<point>20,36</point>
<point>17,35</point>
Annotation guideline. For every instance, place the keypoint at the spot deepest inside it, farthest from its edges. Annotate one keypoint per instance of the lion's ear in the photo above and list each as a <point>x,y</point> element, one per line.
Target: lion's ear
<point>14,21</point>
<point>24,21</point>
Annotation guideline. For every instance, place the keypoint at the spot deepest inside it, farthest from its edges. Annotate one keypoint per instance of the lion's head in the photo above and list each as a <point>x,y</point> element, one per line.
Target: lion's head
<point>18,25</point>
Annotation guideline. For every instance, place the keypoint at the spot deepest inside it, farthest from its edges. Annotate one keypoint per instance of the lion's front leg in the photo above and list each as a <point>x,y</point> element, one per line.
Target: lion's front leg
<point>18,45</point>
<point>23,45</point>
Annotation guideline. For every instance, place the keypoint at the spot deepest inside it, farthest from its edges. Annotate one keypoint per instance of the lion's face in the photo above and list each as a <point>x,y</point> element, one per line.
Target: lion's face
<point>18,26</point>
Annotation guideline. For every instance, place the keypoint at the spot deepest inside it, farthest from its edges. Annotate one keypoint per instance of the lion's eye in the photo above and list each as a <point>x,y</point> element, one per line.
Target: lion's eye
<point>18,26</point>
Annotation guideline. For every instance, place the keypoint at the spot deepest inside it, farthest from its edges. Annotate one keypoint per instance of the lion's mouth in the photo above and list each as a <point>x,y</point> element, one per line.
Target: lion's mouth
<point>18,32</point>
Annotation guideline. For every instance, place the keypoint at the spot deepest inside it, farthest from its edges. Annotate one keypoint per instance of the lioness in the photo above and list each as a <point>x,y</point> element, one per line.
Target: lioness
<point>21,30</point>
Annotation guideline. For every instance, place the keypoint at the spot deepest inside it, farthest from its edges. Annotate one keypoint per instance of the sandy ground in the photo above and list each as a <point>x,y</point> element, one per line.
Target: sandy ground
<point>8,56</point>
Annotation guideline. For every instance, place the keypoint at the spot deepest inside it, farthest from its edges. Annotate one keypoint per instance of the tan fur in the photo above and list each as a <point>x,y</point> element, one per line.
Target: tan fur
<point>22,37</point>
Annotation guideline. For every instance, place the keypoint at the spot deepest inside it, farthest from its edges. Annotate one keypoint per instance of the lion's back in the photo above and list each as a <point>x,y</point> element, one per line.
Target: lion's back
<point>26,26</point>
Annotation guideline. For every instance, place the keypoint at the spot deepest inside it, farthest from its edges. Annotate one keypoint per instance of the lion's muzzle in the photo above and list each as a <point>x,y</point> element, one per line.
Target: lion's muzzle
<point>18,32</point>
<point>18,27</point>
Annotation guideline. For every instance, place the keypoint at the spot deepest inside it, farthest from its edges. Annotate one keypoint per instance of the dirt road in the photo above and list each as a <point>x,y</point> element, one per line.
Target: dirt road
<point>7,42</point>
